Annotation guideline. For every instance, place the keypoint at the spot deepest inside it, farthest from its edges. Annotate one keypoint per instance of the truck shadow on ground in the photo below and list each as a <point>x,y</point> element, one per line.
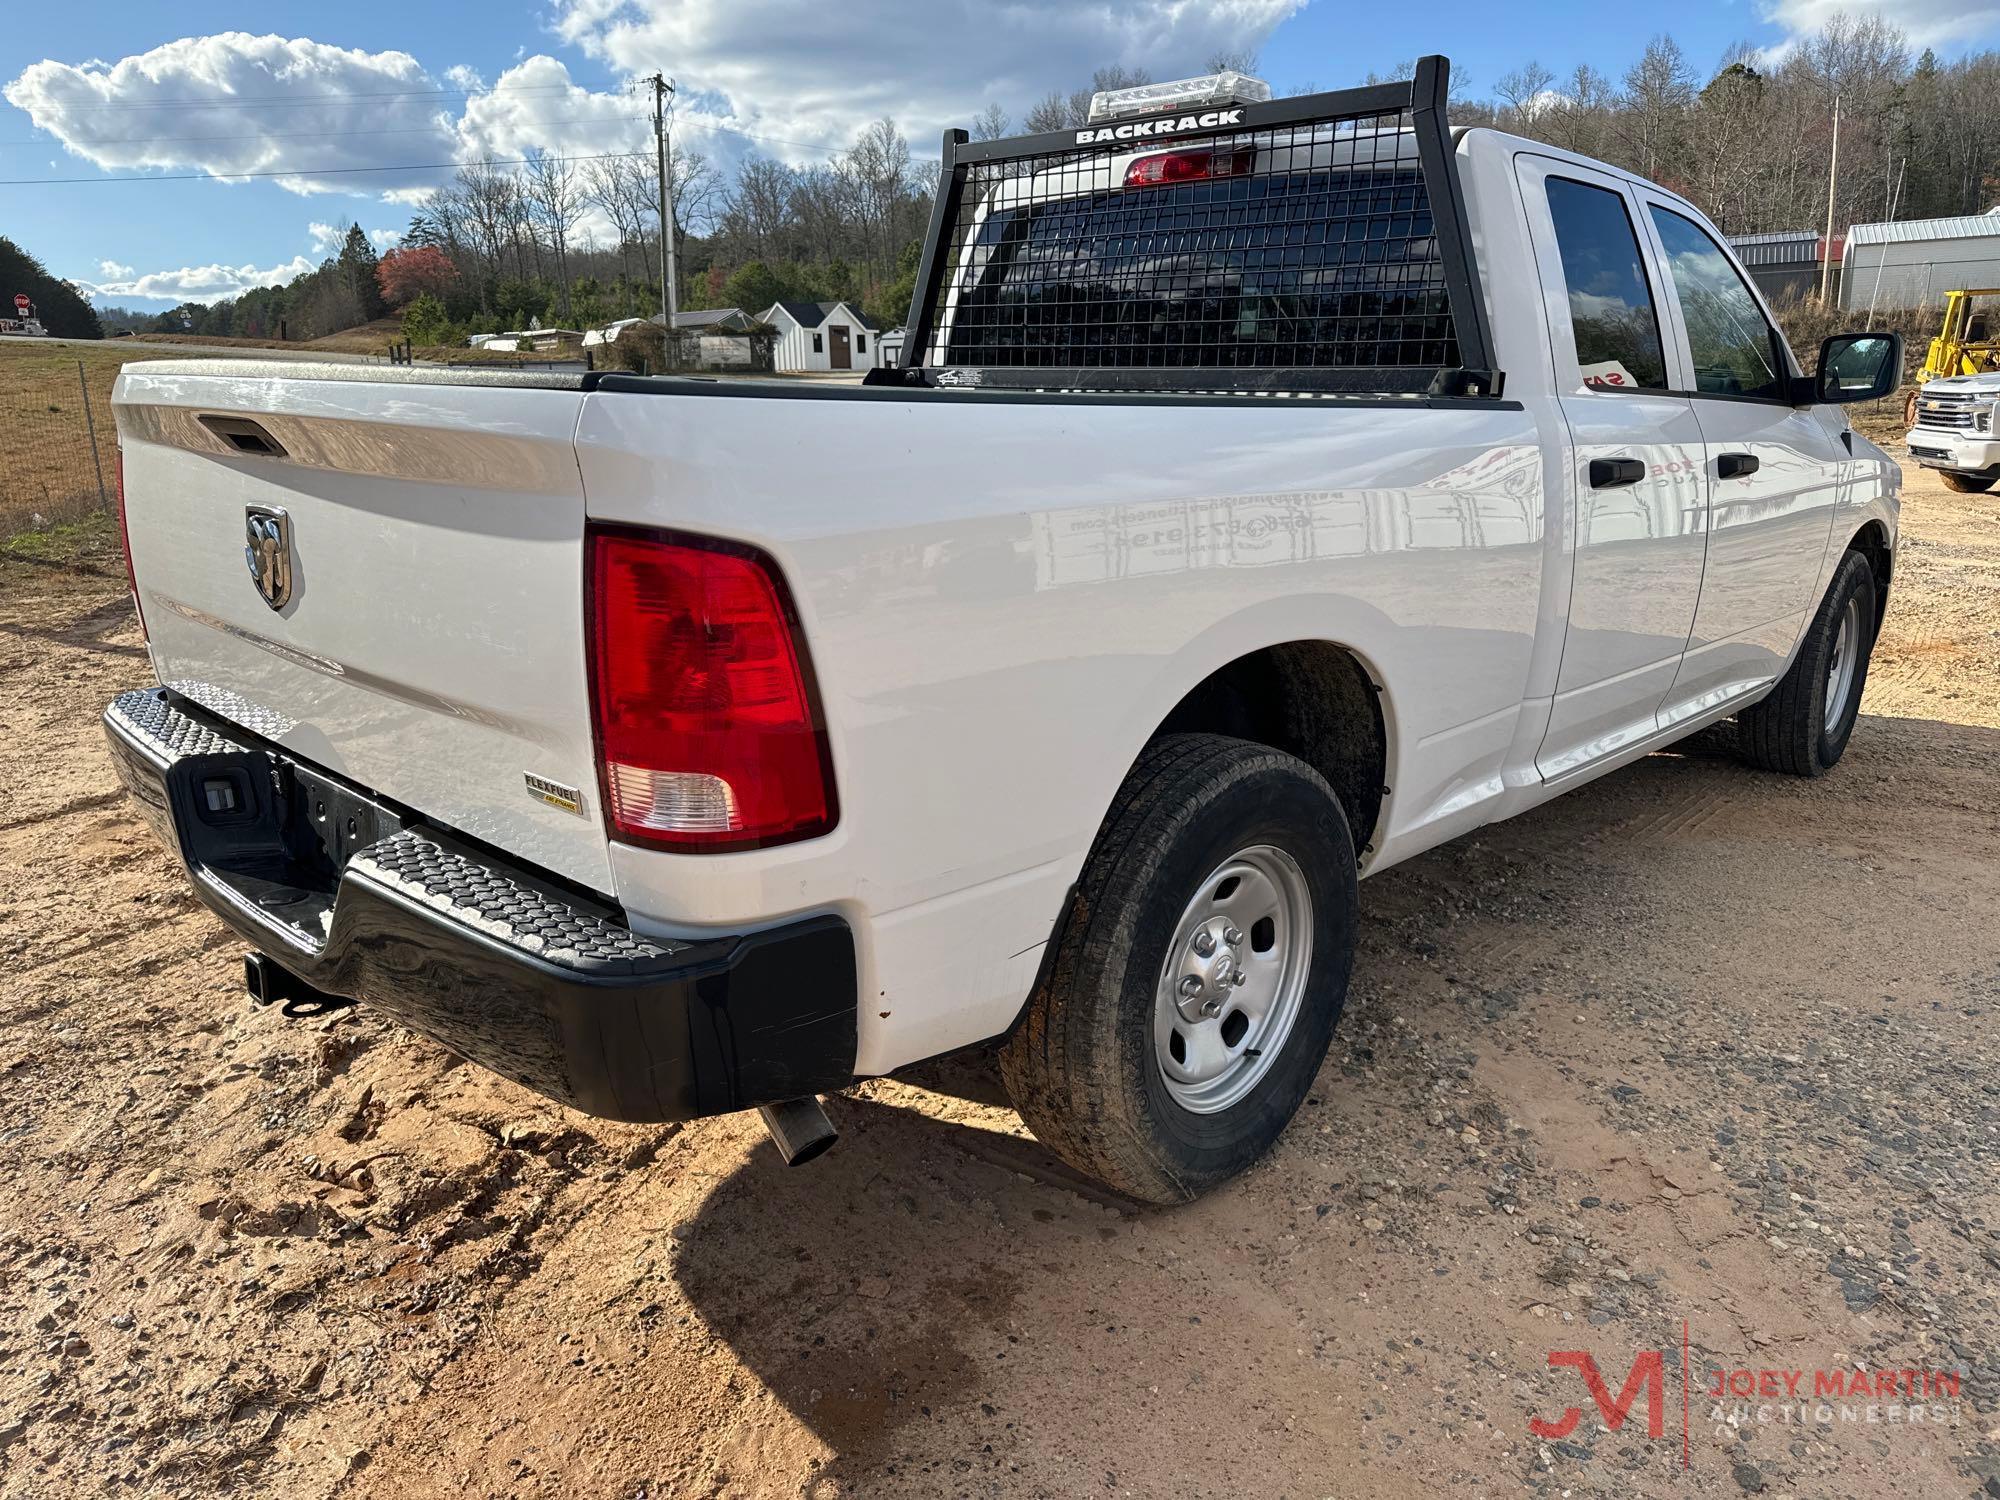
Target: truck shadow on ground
<point>939,1298</point>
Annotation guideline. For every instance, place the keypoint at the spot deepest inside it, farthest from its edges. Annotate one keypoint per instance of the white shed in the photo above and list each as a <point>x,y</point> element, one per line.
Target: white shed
<point>815,336</point>
<point>1914,262</point>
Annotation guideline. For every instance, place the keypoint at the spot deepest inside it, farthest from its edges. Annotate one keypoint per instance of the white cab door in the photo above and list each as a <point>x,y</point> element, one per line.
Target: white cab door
<point>1774,470</point>
<point>1635,498</point>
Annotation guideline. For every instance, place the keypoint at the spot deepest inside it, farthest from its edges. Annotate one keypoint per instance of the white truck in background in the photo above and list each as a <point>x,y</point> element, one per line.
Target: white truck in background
<point>676,746</point>
<point>1958,431</point>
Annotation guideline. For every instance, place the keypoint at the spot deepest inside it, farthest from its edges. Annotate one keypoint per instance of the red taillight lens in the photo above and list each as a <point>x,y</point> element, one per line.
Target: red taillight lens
<point>708,733</point>
<point>125,537</point>
<point>1187,166</point>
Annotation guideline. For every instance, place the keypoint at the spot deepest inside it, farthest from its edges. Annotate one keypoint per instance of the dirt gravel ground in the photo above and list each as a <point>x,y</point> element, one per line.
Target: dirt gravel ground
<point>1692,1045</point>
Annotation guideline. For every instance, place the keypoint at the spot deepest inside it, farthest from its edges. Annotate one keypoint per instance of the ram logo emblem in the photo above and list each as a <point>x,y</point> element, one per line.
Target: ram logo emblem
<point>267,533</point>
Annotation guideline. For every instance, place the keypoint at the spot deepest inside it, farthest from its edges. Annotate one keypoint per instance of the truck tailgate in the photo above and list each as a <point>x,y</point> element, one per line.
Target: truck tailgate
<point>431,646</point>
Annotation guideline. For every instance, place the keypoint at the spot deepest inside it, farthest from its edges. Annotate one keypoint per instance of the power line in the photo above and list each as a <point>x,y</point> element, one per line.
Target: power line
<point>424,166</point>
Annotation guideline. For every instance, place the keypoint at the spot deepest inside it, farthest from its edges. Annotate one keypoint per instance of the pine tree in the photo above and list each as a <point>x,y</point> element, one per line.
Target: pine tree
<point>357,263</point>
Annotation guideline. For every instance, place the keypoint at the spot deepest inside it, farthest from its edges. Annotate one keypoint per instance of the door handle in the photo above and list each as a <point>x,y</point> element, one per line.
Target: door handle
<point>1609,473</point>
<point>1736,465</point>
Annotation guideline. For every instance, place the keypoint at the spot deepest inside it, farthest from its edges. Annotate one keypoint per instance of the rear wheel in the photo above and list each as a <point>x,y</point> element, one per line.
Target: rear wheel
<point>1199,971</point>
<point>1966,484</point>
<point>1804,725</point>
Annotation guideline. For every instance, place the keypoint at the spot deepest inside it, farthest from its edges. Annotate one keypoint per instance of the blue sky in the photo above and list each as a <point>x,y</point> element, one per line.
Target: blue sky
<point>184,90</point>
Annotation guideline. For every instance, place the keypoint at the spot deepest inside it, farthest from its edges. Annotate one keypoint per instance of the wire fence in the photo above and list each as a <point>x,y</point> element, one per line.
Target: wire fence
<point>58,451</point>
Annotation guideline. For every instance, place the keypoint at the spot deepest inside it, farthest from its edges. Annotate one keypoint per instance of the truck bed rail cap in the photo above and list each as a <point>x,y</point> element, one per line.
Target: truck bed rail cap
<point>304,369</point>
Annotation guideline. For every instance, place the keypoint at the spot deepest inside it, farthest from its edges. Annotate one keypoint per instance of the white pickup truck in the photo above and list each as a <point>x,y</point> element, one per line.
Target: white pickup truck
<point>1958,431</point>
<point>1277,489</point>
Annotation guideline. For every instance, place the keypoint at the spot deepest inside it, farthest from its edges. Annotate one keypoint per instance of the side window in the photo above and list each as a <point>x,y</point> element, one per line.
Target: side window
<point>1736,351</point>
<point>860,343</point>
<point>1611,308</point>
<point>819,343</point>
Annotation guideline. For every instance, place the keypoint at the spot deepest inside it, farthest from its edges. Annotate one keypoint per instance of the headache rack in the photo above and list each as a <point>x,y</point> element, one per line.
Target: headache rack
<point>1315,245</point>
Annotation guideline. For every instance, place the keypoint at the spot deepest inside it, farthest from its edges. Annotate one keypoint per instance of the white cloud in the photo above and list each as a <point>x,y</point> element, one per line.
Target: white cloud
<point>199,283</point>
<point>112,271</point>
<point>535,103</point>
<point>235,103</point>
<point>382,239</point>
<point>240,103</point>
<point>1927,23</point>
<point>792,78</point>
<point>805,70</point>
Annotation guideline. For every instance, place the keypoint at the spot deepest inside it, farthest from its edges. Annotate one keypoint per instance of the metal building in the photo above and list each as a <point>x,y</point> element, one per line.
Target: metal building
<point>1785,265</point>
<point>1915,262</point>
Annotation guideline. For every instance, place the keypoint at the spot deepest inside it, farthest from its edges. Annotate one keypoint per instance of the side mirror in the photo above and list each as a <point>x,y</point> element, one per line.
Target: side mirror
<point>1857,367</point>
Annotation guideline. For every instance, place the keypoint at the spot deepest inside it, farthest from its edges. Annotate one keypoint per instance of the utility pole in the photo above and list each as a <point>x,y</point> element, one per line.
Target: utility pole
<point>1832,182</point>
<point>669,266</point>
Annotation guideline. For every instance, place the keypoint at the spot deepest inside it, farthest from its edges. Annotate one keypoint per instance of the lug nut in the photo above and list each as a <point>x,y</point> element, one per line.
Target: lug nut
<point>1231,936</point>
<point>1238,978</point>
<point>1191,985</point>
<point>1211,1007</point>
<point>1204,943</point>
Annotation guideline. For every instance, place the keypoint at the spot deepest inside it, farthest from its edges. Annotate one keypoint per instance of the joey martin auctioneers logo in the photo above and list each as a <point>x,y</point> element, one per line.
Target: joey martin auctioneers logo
<point>1738,1396</point>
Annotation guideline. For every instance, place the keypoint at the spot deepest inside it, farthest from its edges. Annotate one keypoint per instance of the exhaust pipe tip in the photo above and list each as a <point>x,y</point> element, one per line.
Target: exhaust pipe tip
<point>799,1129</point>
<point>270,983</point>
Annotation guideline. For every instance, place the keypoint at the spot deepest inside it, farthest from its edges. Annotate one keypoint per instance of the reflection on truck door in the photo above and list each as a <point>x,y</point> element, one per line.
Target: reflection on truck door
<point>1635,504</point>
<point>1773,471</point>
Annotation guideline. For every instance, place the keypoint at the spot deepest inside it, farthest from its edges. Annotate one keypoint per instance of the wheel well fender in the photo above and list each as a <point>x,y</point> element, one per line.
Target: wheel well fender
<point>1318,699</point>
<point>1872,542</point>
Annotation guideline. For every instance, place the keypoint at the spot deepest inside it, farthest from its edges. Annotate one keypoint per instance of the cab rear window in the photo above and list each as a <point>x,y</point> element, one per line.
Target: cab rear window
<point>1316,246</point>
<point>1282,269</point>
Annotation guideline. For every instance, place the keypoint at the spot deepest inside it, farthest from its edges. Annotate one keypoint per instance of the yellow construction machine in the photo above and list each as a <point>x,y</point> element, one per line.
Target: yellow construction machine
<point>1964,346</point>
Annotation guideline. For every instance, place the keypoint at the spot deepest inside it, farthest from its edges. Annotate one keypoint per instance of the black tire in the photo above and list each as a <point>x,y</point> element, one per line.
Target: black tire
<point>1082,1065</point>
<point>1966,484</point>
<point>1788,731</point>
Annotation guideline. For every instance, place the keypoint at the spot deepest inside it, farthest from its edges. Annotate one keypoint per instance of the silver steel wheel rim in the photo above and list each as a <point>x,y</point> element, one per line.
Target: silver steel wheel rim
<point>1234,979</point>
<point>1840,671</point>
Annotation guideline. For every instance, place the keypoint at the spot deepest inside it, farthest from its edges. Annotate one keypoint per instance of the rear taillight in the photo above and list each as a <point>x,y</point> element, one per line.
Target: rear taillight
<point>1187,166</point>
<point>125,537</point>
<point>708,729</point>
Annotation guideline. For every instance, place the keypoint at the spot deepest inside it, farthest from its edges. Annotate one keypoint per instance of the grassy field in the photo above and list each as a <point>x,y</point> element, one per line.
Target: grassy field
<point>369,338</point>
<point>45,466</point>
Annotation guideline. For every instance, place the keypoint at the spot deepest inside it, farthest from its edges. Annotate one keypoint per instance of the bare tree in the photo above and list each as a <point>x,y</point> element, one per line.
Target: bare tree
<point>990,124</point>
<point>821,206</point>
<point>1526,91</point>
<point>1067,111</point>
<point>555,197</point>
<point>878,168</point>
<point>759,211</point>
<point>698,192</point>
<point>488,197</point>
<point>1659,90</point>
<point>605,185</point>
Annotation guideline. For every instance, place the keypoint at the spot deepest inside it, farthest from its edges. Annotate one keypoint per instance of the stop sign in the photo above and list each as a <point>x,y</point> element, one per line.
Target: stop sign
<point>21,301</point>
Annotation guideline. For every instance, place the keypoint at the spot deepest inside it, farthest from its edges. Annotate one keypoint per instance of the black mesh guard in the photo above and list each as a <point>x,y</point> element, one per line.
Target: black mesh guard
<point>1287,247</point>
